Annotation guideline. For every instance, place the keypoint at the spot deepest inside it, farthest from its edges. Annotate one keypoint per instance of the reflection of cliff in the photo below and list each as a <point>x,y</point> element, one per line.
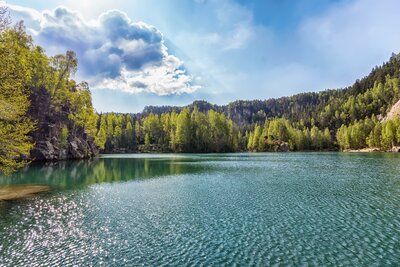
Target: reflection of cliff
<point>73,174</point>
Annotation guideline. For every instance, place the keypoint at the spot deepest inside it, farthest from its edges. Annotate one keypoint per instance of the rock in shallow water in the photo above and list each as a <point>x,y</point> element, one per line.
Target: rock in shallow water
<point>21,191</point>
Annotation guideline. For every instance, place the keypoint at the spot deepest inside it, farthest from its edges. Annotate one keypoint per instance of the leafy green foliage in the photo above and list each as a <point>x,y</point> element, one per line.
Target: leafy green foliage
<point>176,132</point>
<point>37,90</point>
<point>15,76</point>
<point>275,132</point>
<point>370,132</point>
<point>64,136</point>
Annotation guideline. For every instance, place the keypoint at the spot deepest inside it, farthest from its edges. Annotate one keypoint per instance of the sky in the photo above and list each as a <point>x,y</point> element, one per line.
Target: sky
<point>136,53</point>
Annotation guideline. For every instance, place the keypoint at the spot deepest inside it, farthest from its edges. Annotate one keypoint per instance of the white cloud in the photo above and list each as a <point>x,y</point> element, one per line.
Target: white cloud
<point>166,79</point>
<point>240,36</point>
<point>113,52</point>
<point>237,55</point>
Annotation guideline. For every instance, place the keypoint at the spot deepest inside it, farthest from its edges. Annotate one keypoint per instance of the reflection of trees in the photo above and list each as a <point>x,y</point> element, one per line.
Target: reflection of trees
<point>72,174</point>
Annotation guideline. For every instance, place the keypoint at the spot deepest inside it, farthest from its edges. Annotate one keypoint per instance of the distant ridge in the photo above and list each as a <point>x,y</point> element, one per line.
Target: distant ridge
<point>319,108</point>
<point>346,118</point>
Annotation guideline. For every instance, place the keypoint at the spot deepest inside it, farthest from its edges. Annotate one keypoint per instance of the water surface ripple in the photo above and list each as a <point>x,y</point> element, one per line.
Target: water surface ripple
<point>297,209</point>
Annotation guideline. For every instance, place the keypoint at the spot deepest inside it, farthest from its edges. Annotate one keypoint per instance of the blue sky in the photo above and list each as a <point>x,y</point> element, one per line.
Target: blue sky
<point>171,52</point>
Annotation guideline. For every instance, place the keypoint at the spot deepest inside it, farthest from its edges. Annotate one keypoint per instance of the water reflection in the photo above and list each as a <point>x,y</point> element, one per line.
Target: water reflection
<point>78,174</point>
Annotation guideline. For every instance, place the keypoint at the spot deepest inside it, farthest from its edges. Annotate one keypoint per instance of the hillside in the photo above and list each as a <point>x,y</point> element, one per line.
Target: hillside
<point>329,108</point>
<point>331,119</point>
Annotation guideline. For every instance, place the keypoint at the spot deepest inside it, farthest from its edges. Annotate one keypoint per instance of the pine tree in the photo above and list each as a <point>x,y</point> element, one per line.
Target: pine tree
<point>147,142</point>
<point>183,131</point>
<point>129,136</point>
<point>138,132</point>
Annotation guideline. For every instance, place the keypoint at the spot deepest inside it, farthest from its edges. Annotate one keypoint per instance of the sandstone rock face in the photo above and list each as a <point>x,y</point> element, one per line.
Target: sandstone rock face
<point>81,148</point>
<point>393,112</point>
<point>44,150</point>
<point>77,148</point>
<point>47,136</point>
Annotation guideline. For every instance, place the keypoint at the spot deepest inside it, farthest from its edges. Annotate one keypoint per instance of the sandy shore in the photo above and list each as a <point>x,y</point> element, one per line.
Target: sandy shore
<point>373,149</point>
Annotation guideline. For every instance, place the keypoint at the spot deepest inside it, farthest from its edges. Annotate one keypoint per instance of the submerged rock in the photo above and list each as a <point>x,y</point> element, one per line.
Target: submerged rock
<point>21,191</point>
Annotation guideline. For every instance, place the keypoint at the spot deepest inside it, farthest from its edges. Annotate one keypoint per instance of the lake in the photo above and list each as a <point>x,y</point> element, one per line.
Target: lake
<point>320,209</point>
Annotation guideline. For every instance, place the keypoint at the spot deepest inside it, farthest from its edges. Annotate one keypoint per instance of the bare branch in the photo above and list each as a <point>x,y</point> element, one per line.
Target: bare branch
<point>5,19</point>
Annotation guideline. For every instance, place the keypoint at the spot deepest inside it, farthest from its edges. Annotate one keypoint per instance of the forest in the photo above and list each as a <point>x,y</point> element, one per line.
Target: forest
<point>204,132</point>
<point>341,119</point>
<point>171,131</point>
<point>46,115</point>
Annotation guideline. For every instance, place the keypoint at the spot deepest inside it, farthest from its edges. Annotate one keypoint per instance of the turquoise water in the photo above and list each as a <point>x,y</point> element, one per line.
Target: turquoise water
<point>319,209</point>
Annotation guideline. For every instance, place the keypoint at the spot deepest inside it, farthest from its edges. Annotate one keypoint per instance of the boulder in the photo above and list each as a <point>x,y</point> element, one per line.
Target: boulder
<point>396,149</point>
<point>282,147</point>
<point>80,149</point>
<point>51,150</point>
<point>44,150</point>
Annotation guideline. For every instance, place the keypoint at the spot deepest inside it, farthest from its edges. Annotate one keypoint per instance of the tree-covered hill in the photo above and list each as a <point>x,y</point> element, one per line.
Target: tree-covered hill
<point>306,121</point>
<point>371,95</point>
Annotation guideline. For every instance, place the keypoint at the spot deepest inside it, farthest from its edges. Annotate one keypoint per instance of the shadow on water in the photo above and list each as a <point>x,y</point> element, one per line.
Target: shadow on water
<point>81,173</point>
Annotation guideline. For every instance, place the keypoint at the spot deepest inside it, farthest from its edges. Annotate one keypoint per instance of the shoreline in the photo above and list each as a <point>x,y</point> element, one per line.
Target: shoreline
<point>365,150</point>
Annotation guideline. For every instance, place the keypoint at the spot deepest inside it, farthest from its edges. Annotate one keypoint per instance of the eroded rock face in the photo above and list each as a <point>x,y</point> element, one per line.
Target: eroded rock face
<point>394,112</point>
<point>81,148</point>
<point>77,148</point>
<point>44,150</point>
<point>47,136</point>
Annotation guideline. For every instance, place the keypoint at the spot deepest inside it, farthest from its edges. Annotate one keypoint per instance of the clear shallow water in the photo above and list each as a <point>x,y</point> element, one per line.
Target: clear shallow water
<point>316,209</point>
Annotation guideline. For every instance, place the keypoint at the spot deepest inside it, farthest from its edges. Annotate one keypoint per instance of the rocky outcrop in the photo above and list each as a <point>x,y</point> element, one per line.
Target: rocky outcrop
<point>44,150</point>
<point>282,147</point>
<point>48,134</point>
<point>393,112</point>
<point>76,148</point>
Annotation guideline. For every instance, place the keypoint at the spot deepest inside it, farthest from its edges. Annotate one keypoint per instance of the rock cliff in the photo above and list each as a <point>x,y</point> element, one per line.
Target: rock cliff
<point>393,112</point>
<point>50,144</point>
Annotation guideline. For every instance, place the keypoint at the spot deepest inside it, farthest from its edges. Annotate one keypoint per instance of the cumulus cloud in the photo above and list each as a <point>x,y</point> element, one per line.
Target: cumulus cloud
<point>113,52</point>
<point>161,80</point>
